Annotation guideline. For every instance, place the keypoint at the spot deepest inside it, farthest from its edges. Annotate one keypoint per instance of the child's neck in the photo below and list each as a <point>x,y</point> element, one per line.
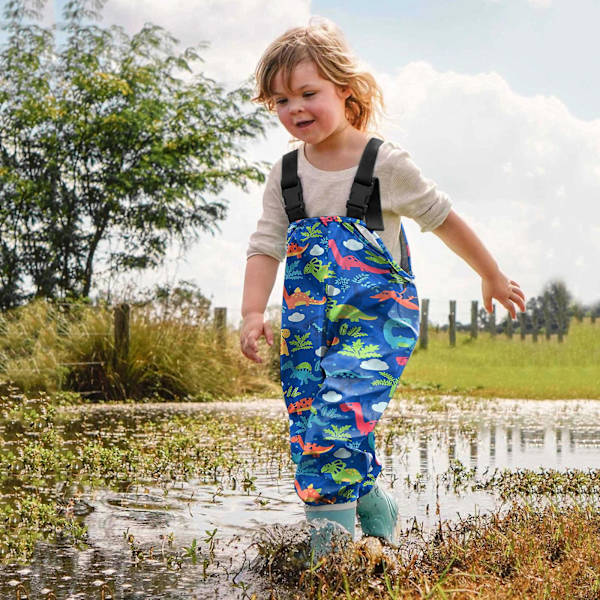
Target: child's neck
<point>342,154</point>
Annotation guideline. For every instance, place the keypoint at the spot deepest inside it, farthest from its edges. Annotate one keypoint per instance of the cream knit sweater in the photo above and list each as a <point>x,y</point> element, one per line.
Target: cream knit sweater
<point>403,190</point>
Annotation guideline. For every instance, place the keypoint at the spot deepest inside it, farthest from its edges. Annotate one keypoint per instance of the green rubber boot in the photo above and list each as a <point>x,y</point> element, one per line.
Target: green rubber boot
<point>331,525</point>
<point>378,514</point>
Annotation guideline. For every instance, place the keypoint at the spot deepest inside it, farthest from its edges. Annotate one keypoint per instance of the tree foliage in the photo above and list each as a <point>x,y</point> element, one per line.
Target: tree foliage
<point>111,148</point>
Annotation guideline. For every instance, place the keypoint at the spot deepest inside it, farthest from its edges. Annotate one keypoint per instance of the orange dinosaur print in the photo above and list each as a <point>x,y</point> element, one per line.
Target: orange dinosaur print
<point>394,295</point>
<point>350,261</point>
<point>300,297</point>
<point>300,405</point>
<point>295,249</point>
<point>310,494</point>
<point>333,342</point>
<point>310,448</point>
<point>363,426</point>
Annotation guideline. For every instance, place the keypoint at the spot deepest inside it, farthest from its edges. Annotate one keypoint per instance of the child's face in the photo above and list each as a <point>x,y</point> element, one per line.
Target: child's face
<point>312,98</point>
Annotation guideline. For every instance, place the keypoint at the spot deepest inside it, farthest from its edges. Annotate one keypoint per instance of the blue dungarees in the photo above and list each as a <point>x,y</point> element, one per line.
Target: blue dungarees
<point>349,323</point>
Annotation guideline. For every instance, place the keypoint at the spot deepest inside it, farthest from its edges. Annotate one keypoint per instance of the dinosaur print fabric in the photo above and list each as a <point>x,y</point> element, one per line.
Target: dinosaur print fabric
<point>350,321</point>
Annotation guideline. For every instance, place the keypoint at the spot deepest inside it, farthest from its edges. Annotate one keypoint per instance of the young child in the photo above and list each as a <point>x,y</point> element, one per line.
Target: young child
<point>350,308</point>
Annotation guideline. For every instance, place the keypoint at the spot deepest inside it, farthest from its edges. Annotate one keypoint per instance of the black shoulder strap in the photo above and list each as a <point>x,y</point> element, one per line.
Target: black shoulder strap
<point>291,187</point>
<point>364,201</point>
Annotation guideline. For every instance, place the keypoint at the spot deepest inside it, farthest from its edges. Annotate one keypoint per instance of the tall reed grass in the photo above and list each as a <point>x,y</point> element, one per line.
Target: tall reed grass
<point>49,347</point>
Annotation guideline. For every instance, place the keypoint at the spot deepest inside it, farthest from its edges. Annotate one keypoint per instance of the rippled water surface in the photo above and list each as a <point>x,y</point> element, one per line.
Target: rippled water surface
<point>417,443</point>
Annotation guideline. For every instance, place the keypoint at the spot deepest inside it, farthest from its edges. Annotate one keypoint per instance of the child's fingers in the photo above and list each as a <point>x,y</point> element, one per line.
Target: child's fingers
<point>510,307</point>
<point>250,347</point>
<point>268,333</point>
<point>519,301</point>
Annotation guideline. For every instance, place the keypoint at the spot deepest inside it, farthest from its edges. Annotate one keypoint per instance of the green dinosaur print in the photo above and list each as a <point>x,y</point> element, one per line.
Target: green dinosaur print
<point>336,311</point>
<point>359,350</point>
<point>339,473</point>
<point>318,269</point>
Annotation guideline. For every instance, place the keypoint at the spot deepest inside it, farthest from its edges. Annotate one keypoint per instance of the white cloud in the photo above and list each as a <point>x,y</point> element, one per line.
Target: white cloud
<point>238,30</point>
<point>332,396</point>
<point>353,245</point>
<point>374,364</point>
<point>342,453</point>
<point>511,165</point>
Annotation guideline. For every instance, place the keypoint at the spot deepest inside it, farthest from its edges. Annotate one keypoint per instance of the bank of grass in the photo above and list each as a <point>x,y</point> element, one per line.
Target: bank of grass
<point>510,368</point>
<point>45,349</point>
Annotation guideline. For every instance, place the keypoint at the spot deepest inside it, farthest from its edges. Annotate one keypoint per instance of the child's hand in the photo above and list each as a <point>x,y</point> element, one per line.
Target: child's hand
<point>253,327</point>
<point>505,290</point>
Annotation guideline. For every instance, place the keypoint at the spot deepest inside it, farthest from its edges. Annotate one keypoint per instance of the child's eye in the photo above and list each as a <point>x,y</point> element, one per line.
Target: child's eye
<point>281,100</point>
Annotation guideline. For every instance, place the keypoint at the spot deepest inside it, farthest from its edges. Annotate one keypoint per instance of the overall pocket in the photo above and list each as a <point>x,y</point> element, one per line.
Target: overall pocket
<point>376,244</point>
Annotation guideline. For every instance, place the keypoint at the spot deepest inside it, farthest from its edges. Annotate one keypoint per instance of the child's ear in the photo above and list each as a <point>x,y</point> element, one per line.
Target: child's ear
<point>346,92</point>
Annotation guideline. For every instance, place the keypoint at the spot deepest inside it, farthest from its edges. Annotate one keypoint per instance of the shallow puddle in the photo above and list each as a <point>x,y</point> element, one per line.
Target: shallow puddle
<point>426,447</point>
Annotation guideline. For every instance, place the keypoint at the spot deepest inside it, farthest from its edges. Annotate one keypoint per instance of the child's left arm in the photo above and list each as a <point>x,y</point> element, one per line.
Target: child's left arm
<point>462,240</point>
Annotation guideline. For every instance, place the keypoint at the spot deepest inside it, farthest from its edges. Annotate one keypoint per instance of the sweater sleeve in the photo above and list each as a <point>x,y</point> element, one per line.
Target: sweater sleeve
<point>415,196</point>
<point>271,228</point>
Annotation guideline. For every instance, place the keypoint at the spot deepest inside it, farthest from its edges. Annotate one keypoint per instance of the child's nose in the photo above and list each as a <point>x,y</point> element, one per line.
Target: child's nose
<point>295,105</point>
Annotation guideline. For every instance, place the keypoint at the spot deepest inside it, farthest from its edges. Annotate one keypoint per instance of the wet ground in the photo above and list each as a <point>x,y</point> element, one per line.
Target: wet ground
<point>432,449</point>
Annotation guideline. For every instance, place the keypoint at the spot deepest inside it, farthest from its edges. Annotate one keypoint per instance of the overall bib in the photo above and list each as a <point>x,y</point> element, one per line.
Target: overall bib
<point>349,323</point>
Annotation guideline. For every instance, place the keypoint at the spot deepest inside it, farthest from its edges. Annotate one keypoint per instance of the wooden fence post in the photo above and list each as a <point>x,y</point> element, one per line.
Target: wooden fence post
<point>474,319</point>
<point>493,320</point>
<point>121,326</point>
<point>547,324</point>
<point>423,333</point>
<point>522,325</point>
<point>220,323</point>
<point>452,323</point>
<point>508,329</point>
<point>534,325</point>
<point>593,319</point>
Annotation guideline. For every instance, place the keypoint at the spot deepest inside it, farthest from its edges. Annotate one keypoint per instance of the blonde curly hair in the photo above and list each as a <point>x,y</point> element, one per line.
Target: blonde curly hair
<point>323,43</point>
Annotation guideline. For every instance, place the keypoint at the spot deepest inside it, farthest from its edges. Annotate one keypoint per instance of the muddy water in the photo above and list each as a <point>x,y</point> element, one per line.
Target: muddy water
<point>418,442</point>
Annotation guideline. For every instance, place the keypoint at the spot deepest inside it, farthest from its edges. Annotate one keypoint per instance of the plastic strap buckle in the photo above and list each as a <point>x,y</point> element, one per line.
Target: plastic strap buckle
<point>294,204</point>
<point>359,199</point>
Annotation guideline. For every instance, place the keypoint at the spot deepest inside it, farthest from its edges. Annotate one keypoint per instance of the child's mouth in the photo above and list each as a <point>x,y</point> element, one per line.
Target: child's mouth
<point>303,124</point>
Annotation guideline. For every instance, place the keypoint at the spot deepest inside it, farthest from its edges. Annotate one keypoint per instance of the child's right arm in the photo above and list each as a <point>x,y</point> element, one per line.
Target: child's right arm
<point>261,271</point>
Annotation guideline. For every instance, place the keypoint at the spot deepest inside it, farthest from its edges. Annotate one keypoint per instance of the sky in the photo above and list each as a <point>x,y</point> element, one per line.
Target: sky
<point>496,101</point>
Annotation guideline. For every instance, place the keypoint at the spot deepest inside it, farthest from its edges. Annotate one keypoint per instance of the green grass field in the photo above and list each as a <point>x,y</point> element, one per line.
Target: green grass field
<point>510,368</point>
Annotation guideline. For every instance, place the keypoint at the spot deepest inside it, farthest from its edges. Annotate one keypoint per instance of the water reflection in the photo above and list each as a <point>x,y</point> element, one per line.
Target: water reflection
<point>415,445</point>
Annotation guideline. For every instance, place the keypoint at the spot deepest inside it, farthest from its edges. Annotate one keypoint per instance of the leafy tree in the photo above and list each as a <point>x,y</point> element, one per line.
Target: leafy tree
<point>556,300</point>
<point>110,148</point>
